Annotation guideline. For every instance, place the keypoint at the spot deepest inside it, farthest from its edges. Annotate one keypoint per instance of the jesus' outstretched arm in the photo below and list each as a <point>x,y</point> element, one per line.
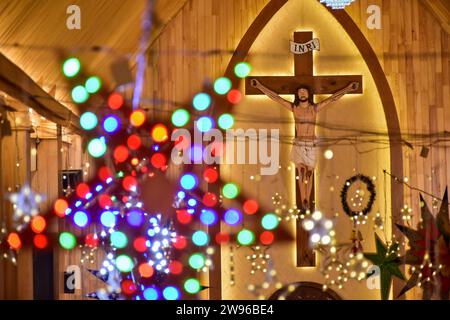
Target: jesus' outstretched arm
<point>272,95</point>
<point>351,87</point>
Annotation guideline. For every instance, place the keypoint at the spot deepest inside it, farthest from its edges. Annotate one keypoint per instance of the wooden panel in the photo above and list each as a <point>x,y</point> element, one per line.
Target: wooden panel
<point>17,281</point>
<point>19,85</point>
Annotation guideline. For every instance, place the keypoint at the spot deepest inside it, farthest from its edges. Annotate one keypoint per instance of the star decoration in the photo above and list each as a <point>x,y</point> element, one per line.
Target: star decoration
<point>429,253</point>
<point>387,259</point>
<point>111,277</point>
<point>25,204</point>
<point>270,280</point>
<point>258,259</point>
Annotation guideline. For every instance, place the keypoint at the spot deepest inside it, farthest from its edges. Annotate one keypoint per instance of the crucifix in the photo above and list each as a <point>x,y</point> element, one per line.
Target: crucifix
<point>303,84</point>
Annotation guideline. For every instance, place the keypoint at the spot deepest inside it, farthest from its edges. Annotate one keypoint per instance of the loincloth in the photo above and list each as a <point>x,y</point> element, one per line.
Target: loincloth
<point>304,152</point>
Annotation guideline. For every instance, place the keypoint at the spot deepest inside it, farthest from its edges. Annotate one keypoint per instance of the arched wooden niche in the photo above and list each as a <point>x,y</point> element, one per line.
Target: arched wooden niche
<point>374,66</point>
<point>305,291</point>
<point>377,73</point>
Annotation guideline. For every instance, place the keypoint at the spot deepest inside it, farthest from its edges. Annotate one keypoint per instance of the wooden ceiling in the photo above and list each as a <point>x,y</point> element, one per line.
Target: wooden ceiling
<point>34,36</point>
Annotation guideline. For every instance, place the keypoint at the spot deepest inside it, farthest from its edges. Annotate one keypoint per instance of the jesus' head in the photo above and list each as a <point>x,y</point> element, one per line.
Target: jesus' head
<point>303,95</point>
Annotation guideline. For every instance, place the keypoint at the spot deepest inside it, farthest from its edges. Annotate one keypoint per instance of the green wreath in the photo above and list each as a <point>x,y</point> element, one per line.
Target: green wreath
<point>370,187</point>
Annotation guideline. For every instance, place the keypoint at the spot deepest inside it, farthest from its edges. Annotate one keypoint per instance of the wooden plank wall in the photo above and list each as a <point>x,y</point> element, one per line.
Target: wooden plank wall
<point>412,47</point>
<point>46,181</point>
<point>16,282</point>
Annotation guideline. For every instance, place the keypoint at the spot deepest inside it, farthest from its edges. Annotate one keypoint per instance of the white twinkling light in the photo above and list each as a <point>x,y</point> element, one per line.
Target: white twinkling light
<point>328,154</point>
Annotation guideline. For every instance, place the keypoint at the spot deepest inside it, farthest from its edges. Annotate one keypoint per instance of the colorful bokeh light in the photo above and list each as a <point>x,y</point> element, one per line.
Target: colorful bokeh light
<point>160,133</point>
<point>222,85</point>
<point>93,84</point>
<point>88,121</point>
<point>115,101</point>
<point>188,181</point>
<point>226,121</point>
<point>200,238</point>
<point>230,191</point>
<point>204,124</point>
<point>180,117</point>
<point>119,239</point>
<point>111,124</point>
<point>242,69</point>
<point>197,261</point>
<point>67,240</point>
<point>232,217</point>
<point>97,147</point>
<point>192,286</point>
<point>124,263</point>
<point>270,221</point>
<point>80,94</point>
<point>71,67</point>
<point>245,237</point>
<point>108,219</point>
<point>201,101</point>
<point>81,219</point>
<point>208,217</point>
<point>171,293</point>
<point>137,118</point>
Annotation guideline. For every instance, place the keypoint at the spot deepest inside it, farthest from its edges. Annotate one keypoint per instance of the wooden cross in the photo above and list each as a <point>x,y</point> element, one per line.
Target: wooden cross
<point>303,75</point>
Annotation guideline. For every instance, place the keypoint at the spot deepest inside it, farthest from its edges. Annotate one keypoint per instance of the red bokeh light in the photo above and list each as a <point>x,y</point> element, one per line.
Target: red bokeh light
<point>222,237</point>
<point>184,217</point>
<point>134,142</point>
<point>121,154</point>
<point>104,173</point>
<point>210,175</point>
<point>140,244</point>
<point>209,199</point>
<point>91,240</point>
<point>105,201</point>
<point>175,267</point>
<point>180,242</point>
<point>82,190</point>
<point>128,287</point>
<point>40,241</point>
<point>266,238</point>
<point>250,206</point>
<point>158,160</point>
<point>234,96</point>
<point>115,101</point>
<point>129,183</point>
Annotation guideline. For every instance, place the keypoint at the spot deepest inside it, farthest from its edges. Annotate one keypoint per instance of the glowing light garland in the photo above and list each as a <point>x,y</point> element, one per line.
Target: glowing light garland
<point>113,205</point>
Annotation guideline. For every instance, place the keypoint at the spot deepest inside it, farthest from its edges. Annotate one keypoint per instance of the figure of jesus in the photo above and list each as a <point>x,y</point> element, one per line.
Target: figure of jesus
<point>304,149</point>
